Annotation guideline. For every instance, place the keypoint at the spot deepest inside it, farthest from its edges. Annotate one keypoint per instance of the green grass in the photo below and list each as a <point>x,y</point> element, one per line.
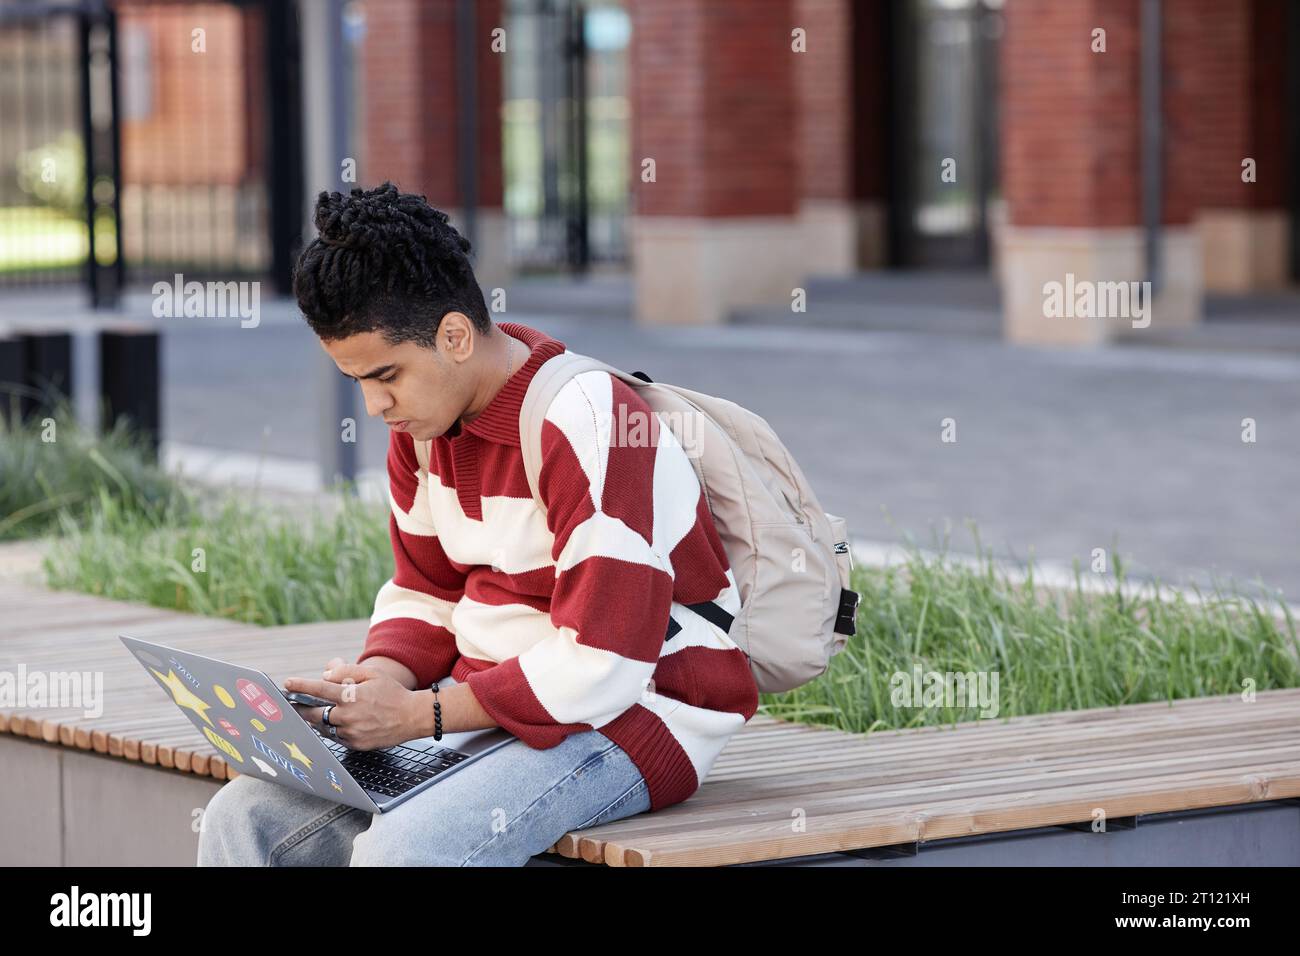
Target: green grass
<point>235,559</point>
<point>1077,650</point>
<point>48,465</point>
<point>40,237</point>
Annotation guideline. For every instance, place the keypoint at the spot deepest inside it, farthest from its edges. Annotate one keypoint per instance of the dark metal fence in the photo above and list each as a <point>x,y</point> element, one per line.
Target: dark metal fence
<point>54,206</point>
<point>142,140</point>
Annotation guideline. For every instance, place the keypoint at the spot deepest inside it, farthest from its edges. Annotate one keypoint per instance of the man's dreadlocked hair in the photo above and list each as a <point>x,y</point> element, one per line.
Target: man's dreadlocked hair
<point>388,262</point>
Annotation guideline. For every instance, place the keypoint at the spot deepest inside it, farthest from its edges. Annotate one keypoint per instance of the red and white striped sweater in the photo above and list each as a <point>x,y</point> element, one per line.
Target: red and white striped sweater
<point>558,619</point>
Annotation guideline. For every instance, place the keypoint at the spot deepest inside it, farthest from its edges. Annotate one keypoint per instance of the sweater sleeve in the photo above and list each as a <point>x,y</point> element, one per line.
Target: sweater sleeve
<point>411,622</point>
<point>620,494</point>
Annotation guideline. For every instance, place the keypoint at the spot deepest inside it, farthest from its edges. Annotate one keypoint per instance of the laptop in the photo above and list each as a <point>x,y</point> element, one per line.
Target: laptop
<point>246,717</point>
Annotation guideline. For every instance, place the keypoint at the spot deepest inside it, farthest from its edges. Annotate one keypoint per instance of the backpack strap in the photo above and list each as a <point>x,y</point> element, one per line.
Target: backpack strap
<point>551,376</point>
<point>711,611</point>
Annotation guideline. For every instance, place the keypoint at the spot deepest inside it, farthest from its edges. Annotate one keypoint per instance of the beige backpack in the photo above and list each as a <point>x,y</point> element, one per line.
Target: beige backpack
<point>791,560</point>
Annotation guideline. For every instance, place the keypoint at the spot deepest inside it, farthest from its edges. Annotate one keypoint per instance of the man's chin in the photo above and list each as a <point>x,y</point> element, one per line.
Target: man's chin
<point>425,433</point>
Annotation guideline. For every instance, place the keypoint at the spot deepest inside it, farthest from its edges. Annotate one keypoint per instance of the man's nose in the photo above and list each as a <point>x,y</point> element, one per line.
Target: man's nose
<point>377,399</point>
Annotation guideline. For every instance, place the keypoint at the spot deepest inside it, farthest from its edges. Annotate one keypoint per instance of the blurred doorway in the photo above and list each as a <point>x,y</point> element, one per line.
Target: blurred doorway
<point>945,135</point>
<point>565,139</point>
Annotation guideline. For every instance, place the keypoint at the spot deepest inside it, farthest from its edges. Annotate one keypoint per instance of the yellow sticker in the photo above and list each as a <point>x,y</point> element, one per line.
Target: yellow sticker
<point>225,746</point>
<point>183,695</point>
<point>297,754</point>
<point>258,725</point>
<point>223,695</point>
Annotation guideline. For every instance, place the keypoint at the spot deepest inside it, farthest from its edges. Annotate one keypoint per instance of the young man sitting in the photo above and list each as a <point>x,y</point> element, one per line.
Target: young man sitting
<point>551,623</point>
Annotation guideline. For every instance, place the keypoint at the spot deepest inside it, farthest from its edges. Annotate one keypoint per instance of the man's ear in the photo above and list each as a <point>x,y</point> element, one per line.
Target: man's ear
<point>456,336</point>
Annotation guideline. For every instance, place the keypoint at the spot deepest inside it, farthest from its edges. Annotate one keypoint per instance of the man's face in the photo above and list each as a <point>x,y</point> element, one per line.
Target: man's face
<point>413,389</point>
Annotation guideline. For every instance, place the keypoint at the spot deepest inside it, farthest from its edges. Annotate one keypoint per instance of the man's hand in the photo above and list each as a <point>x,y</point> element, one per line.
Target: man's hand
<point>372,709</point>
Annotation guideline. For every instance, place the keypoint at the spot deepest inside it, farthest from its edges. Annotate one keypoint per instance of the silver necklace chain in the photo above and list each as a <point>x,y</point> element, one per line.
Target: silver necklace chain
<point>510,361</point>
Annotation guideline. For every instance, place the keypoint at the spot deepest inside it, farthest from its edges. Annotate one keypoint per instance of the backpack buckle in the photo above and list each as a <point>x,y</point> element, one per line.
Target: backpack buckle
<point>846,618</point>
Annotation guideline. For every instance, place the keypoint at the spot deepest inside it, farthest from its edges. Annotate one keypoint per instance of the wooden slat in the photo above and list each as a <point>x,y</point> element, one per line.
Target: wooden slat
<point>1078,740</point>
<point>850,791</point>
<point>1039,772</point>
<point>138,723</point>
<point>781,798</point>
<point>931,820</point>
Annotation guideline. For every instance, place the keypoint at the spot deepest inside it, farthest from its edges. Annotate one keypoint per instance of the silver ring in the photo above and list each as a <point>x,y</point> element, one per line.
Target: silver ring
<point>325,715</point>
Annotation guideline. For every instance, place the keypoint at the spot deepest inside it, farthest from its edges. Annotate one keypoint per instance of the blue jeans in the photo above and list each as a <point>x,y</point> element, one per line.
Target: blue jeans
<point>501,810</point>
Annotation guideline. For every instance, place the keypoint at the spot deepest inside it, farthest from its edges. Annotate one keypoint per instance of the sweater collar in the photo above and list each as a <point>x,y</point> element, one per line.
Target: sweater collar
<point>499,421</point>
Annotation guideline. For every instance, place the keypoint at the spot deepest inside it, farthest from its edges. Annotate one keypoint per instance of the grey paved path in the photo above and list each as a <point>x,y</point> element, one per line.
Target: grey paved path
<point>1057,451</point>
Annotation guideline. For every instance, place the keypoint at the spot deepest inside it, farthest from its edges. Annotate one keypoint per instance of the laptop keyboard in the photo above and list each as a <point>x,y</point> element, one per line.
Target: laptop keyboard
<point>393,770</point>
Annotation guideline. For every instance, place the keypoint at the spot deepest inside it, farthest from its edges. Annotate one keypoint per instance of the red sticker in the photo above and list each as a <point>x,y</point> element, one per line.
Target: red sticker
<point>228,727</point>
<point>258,699</point>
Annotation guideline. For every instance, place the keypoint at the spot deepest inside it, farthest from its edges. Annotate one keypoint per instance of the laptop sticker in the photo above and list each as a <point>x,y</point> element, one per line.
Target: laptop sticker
<point>281,761</point>
<point>229,728</point>
<point>180,669</point>
<point>265,767</point>
<point>258,699</point>
<point>297,754</point>
<point>258,725</point>
<point>183,696</point>
<point>222,744</point>
<point>334,780</point>
<point>147,657</point>
<point>223,695</point>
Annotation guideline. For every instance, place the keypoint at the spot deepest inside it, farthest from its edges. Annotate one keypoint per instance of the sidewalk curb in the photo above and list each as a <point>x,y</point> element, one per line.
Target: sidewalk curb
<point>1051,577</point>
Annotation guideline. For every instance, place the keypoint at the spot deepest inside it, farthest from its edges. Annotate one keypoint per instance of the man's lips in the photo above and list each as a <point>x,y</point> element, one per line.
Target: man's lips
<point>399,425</point>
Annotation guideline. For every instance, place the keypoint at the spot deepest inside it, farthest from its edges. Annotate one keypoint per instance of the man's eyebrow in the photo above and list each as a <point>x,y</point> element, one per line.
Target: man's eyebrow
<point>375,373</point>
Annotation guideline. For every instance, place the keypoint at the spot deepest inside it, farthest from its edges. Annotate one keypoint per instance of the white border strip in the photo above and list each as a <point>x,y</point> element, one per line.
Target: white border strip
<point>1051,575</point>
<point>220,467</point>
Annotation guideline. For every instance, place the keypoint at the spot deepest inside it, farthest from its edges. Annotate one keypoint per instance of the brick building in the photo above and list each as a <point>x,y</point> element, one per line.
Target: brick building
<point>775,139</point>
<point>759,142</point>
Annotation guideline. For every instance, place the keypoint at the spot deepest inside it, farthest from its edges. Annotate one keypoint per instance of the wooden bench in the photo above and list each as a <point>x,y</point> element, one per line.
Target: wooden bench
<point>123,789</point>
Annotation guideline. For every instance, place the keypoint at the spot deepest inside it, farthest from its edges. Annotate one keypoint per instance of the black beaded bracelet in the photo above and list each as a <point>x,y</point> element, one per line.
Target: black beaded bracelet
<point>437,713</point>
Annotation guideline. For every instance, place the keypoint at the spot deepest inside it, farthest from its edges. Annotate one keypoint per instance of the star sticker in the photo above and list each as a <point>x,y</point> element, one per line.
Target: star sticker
<point>297,754</point>
<point>183,696</point>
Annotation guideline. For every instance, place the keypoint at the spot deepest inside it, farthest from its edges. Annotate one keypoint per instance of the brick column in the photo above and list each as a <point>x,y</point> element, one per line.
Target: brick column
<point>409,120</point>
<point>1072,167</point>
<point>1234,63</point>
<point>841,86</point>
<point>713,93</point>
